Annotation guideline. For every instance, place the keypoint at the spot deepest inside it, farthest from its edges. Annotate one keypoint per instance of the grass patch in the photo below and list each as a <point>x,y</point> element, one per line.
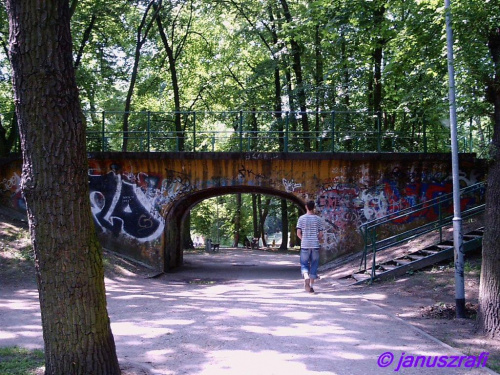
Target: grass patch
<point>20,361</point>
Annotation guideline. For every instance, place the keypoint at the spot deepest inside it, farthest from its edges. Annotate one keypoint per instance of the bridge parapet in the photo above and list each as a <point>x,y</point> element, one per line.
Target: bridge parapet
<point>139,200</point>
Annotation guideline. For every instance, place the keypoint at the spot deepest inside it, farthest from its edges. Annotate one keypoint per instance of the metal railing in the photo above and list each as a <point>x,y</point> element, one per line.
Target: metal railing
<point>268,131</point>
<point>251,131</point>
<point>382,233</point>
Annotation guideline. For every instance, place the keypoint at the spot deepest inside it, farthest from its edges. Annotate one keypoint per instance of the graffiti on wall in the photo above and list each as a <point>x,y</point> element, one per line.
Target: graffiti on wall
<point>122,207</point>
<point>347,205</point>
<point>12,188</point>
<point>133,204</point>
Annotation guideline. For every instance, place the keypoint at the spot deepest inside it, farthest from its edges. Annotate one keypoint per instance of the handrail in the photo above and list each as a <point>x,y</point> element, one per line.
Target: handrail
<point>268,131</point>
<point>439,205</point>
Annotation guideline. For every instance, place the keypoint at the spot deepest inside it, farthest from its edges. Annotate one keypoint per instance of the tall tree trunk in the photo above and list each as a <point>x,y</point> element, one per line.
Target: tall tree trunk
<point>489,288</point>
<point>68,257</point>
<point>278,108</point>
<point>255,216</point>
<point>142,34</point>
<point>375,101</point>
<point>284,225</point>
<point>296,52</point>
<point>346,77</point>
<point>263,212</point>
<point>187,241</point>
<point>85,39</point>
<point>237,221</point>
<point>172,64</point>
<point>318,77</point>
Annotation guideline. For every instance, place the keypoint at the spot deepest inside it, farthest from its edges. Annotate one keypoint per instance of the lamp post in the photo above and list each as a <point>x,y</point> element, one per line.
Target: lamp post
<point>457,219</point>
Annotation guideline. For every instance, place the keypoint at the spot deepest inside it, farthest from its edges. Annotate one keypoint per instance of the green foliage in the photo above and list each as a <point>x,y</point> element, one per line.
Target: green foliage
<point>243,55</point>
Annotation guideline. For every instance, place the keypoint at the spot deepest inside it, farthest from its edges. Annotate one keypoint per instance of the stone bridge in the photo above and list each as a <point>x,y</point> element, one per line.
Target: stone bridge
<point>139,200</point>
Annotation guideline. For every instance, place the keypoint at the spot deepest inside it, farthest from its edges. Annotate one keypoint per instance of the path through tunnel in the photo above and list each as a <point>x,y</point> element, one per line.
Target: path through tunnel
<point>175,218</point>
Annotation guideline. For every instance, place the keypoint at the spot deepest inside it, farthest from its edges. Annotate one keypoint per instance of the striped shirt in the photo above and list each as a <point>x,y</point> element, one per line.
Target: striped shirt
<point>310,226</point>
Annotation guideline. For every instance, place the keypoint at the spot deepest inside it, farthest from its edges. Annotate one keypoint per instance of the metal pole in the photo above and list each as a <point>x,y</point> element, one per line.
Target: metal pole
<point>333,131</point>
<point>103,130</point>
<point>149,131</point>
<point>241,131</point>
<point>379,131</point>
<point>287,123</point>
<point>457,219</point>
<point>194,131</point>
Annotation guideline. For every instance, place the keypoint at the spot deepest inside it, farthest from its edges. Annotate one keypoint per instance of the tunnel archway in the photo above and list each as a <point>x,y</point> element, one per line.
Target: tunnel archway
<point>175,217</point>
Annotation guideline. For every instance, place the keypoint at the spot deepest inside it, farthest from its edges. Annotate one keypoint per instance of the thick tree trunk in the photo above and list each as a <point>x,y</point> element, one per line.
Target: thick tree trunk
<point>68,257</point>
<point>489,289</point>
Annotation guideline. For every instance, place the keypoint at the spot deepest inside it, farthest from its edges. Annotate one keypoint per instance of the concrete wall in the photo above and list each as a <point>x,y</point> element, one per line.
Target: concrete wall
<point>139,200</point>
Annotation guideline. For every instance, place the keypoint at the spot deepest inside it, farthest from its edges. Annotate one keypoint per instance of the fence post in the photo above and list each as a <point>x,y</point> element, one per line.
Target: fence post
<point>374,261</point>
<point>379,130</point>
<point>194,131</point>
<point>333,131</point>
<point>440,213</point>
<point>149,132</point>
<point>241,131</point>
<point>287,123</point>
<point>103,140</point>
<point>424,123</point>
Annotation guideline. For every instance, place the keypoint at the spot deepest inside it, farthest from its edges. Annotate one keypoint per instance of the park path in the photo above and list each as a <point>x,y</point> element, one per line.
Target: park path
<point>240,312</point>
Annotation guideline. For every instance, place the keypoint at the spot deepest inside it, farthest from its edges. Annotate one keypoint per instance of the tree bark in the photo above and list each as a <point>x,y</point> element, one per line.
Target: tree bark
<point>489,288</point>
<point>68,257</point>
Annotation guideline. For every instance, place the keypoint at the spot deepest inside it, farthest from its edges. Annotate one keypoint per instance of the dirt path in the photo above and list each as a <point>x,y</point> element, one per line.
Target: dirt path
<point>238,312</point>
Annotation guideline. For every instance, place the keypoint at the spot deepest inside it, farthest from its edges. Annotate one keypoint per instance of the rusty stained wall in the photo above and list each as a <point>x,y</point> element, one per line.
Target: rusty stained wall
<point>131,194</point>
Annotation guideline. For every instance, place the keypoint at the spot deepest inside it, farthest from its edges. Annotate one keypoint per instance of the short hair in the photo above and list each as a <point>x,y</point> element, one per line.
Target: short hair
<point>310,205</point>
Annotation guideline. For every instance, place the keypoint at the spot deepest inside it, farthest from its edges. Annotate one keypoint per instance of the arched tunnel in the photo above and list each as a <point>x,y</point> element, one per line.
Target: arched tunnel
<point>175,217</point>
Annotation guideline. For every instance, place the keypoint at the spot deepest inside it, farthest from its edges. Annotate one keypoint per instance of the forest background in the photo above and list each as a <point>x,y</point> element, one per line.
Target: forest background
<point>383,59</point>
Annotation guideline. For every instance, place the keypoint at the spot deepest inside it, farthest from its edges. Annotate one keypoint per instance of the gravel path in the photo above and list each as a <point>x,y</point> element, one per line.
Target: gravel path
<point>239,312</point>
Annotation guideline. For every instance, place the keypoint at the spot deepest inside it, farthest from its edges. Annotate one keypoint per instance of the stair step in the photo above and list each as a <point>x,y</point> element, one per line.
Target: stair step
<point>388,267</point>
<point>428,252</point>
<point>469,237</point>
<point>416,257</point>
<point>361,276</point>
<point>444,247</point>
<point>403,261</point>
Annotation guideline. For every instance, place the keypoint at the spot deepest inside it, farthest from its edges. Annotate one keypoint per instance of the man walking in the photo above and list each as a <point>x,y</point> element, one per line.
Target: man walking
<point>310,231</point>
